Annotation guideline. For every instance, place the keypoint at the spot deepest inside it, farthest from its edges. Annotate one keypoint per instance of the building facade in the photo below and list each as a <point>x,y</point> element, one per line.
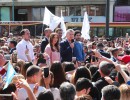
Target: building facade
<point>72,10</point>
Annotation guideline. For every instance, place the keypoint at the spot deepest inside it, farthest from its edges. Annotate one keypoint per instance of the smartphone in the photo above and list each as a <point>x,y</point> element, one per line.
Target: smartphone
<point>72,40</point>
<point>74,60</point>
<point>26,47</point>
<point>46,72</point>
<point>14,57</point>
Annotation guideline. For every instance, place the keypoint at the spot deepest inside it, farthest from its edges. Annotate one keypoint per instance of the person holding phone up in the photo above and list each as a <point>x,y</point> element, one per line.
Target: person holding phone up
<point>24,47</point>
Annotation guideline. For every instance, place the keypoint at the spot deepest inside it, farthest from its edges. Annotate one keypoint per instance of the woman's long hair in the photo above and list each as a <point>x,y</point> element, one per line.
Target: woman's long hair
<point>59,74</point>
<point>51,41</point>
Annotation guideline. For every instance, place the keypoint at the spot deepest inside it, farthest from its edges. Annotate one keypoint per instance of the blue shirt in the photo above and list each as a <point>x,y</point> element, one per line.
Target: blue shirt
<point>78,51</point>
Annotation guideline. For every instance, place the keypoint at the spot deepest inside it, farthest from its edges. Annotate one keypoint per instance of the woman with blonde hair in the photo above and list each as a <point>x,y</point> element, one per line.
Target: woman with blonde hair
<point>125,92</point>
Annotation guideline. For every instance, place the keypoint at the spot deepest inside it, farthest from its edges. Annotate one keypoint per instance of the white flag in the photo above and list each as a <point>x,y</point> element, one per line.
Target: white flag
<point>63,27</point>
<point>85,27</point>
<point>50,19</point>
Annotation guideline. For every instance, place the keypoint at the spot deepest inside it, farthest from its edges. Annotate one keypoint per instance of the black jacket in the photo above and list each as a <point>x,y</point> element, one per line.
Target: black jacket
<point>100,84</point>
<point>44,44</point>
<point>105,54</point>
<point>65,51</point>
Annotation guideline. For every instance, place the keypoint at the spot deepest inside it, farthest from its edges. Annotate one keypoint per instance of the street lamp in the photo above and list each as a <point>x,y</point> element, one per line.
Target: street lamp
<point>107,17</point>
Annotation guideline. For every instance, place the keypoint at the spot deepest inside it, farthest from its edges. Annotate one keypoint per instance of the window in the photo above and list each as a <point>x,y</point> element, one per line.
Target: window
<point>64,10</point>
<point>37,14</point>
<point>92,10</point>
<point>96,10</point>
<point>68,10</point>
<point>4,14</point>
<point>74,11</point>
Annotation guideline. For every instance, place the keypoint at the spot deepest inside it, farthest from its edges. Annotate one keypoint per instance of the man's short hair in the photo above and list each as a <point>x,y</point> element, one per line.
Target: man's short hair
<point>46,94</point>
<point>58,29</point>
<point>69,30</point>
<point>106,67</point>
<point>68,66</point>
<point>100,45</point>
<point>83,83</point>
<point>77,32</point>
<point>67,91</point>
<point>13,42</point>
<point>47,29</point>
<point>32,70</point>
<point>113,51</point>
<point>23,31</point>
<point>111,92</point>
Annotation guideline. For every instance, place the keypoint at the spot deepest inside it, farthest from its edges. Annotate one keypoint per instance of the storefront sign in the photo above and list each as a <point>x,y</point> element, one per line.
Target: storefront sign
<point>93,19</point>
<point>122,14</point>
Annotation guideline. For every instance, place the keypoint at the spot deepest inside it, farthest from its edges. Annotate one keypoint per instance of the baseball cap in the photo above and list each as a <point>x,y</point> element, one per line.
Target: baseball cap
<point>124,59</point>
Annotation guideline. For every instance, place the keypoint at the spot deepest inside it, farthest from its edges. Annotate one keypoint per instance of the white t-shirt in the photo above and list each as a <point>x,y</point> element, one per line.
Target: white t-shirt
<point>56,93</point>
<point>22,94</point>
<point>21,47</point>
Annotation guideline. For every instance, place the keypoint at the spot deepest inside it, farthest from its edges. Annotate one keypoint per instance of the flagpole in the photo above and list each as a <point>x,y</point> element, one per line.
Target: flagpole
<point>63,27</point>
<point>42,31</point>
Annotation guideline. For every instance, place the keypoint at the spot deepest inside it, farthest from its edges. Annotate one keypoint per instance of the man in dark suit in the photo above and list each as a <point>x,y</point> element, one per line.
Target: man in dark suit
<point>114,53</point>
<point>45,40</point>
<point>100,47</point>
<point>105,69</point>
<point>66,46</point>
<point>12,46</point>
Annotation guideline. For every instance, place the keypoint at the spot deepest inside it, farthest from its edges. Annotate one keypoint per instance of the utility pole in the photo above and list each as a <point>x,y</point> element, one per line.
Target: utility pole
<point>12,10</point>
<point>107,17</point>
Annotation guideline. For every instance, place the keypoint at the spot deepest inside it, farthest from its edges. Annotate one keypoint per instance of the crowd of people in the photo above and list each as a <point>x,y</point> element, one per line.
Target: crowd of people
<point>72,68</point>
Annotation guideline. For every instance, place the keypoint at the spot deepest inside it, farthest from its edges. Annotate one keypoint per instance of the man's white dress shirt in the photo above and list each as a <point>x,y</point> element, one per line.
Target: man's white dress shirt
<point>21,47</point>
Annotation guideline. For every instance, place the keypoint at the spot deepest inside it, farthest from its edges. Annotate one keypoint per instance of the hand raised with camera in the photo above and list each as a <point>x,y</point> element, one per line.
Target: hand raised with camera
<point>47,81</point>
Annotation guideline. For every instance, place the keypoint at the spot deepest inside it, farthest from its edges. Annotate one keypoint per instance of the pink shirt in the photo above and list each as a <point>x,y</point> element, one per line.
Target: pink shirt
<point>54,55</point>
